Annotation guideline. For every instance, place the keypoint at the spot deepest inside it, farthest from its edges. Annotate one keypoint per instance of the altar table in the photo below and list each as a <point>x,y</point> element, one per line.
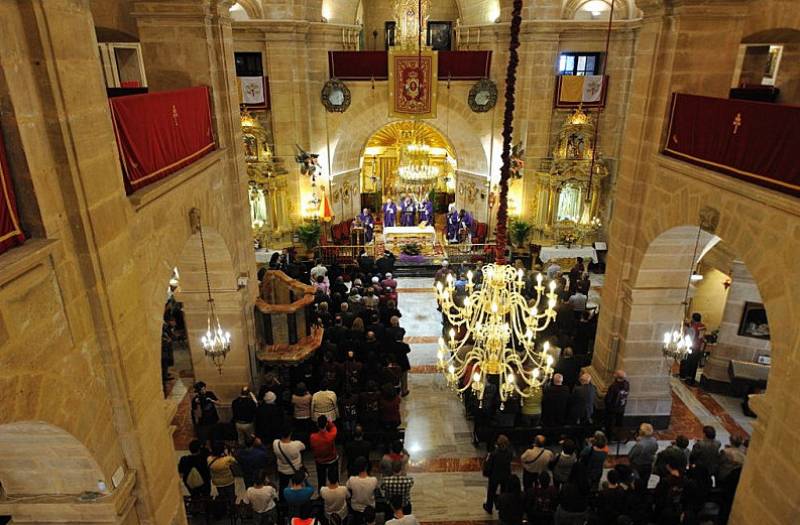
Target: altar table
<point>394,234</point>
<point>562,252</point>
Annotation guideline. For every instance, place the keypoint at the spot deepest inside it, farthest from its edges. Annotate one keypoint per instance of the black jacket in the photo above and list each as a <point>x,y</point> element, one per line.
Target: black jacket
<point>554,405</point>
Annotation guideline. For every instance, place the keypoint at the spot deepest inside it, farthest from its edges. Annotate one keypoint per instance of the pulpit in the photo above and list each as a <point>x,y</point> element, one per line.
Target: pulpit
<point>284,316</point>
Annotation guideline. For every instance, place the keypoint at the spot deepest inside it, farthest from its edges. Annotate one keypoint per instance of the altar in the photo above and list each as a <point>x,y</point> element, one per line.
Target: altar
<point>394,237</point>
<point>566,256</point>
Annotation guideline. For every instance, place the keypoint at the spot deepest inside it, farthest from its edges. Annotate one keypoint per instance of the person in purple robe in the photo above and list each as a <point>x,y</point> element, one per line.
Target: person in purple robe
<point>425,210</point>
<point>464,226</point>
<point>452,224</point>
<point>389,213</point>
<point>407,207</point>
<point>368,223</point>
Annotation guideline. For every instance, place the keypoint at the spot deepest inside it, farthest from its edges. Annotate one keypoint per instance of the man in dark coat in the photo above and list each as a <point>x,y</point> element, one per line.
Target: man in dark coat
<point>554,402</point>
<point>615,401</point>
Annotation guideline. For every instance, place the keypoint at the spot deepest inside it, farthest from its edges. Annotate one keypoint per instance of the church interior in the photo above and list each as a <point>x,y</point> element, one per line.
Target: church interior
<point>461,225</point>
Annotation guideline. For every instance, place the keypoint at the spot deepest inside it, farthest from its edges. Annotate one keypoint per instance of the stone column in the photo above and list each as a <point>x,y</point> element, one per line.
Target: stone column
<point>188,43</point>
<point>731,345</point>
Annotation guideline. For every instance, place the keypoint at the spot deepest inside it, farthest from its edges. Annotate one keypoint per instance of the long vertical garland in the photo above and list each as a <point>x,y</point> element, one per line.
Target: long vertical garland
<point>508,129</point>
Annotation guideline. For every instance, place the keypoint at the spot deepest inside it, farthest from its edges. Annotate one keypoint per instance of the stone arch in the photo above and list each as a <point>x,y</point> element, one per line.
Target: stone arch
<point>252,8</point>
<point>42,459</point>
<point>467,133</point>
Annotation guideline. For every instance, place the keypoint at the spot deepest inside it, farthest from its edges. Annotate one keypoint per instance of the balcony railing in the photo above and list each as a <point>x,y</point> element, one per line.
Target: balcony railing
<point>160,133</point>
<point>752,141</point>
<point>374,65</point>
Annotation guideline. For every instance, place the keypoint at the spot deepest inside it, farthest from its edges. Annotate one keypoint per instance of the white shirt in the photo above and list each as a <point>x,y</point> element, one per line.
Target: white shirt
<point>335,500</point>
<point>293,450</point>
<point>262,500</point>
<point>535,463</point>
<point>323,403</point>
<point>408,519</point>
<point>362,492</point>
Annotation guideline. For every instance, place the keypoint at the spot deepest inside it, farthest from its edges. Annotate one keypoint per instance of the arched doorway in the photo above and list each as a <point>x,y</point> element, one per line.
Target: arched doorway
<point>407,157</point>
<point>682,399</point>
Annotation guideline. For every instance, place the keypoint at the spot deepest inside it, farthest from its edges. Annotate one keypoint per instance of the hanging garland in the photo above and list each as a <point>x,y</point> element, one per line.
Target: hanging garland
<point>508,130</point>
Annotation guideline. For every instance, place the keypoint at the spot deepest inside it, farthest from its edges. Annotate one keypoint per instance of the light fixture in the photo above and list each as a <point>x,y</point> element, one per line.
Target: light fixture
<point>677,343</point>
<point>492,335</point>
<point>216,341</point>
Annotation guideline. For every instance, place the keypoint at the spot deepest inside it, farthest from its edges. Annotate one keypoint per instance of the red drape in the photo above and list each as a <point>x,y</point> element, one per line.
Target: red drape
<point>366,65</point>
<point>160,133</point>
<point>10,231</point>
<point>753,141</point>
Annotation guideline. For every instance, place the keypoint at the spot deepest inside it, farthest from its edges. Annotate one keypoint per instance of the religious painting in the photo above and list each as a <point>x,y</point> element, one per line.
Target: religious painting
<point>439,34</point>
<point>754,321</point>
<point>389,32</point>
<point>412,84</point>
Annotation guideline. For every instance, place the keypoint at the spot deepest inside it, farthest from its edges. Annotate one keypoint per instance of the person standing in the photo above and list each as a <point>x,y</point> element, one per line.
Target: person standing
<point>262,497</point>
<point>535,461</point>
<point>510,504</point>
<point>398,485</point>
<point>593,457</point>
<point>301,403</point>
<point>425,210</point>
<point>219,463</point>
<point>253,459</point>
<point>408,208</point>
<point>401,517</point>
<point>389,213</point>
<point>288,454</point>
<point>335,498</point>
<point>324,402</point>
<point>194,471</point>
<point>368,223</point>
<point>323,447</point>
<point>498,469</point>
<point>643,455</point>
<point>204,411</point>
<point>243,409</point>
<point>615,402</point>
<point>705,452</point>
<point>554,402</point>
<point>697,332</point>
<point>362,490</point>
<point>452,224</point>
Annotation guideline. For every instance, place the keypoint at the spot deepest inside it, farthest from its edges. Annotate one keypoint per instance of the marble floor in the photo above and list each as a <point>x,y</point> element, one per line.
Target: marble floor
<point>449,488</point>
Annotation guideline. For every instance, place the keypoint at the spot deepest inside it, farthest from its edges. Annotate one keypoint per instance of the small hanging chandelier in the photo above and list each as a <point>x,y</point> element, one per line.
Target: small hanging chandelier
<point>677,343</point>
<point>216,341</point>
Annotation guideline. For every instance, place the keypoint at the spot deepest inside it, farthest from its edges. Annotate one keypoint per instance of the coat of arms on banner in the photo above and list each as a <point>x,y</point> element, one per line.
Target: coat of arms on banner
<point>412,84</point>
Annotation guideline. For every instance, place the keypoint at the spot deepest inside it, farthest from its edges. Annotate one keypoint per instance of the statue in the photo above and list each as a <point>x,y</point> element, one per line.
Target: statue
<point>308,163</point>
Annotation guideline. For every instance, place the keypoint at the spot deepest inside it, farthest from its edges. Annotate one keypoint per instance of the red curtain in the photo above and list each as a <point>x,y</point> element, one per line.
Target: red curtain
<point>160,133</point>
<point>753,141</point>
<point>10,231</point>
<point>366,65</point>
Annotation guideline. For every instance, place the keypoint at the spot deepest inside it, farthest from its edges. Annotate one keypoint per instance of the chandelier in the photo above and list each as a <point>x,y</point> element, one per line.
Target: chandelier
<point>677,343</point>
<point>415,165</point>
<point>493,333</point>
<point>216,341</point>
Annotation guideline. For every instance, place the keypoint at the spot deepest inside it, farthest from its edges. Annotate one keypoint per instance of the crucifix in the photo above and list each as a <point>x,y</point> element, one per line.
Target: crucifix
<point>737,121</point>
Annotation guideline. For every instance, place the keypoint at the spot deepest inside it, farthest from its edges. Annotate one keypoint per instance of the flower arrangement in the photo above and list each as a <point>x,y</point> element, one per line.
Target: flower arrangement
<point>569,238</point>
<point>411,248</point>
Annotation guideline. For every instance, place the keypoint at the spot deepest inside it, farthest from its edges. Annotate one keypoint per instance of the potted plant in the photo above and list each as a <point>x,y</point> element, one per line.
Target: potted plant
<point>308,234</point>
<point>519,231</point>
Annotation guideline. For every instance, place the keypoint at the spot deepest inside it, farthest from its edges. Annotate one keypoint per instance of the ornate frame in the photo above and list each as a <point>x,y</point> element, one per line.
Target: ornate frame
<point>483,84</point>
<point>329,86</point>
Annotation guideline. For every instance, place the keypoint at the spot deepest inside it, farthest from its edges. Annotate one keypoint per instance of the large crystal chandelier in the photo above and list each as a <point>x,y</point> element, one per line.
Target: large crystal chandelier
<point>493,332</point>
<point>216,341</point>
<point>677,343</point>
<point>415,165</point>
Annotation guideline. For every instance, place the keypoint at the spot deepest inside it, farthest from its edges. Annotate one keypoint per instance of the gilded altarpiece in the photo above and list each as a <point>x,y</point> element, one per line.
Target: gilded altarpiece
<point>569,200</point>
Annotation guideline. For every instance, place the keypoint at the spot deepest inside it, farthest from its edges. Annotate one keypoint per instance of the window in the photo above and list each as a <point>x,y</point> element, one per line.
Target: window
<point>248,64</point>
<point>388,34</point>
<point>579,63</point>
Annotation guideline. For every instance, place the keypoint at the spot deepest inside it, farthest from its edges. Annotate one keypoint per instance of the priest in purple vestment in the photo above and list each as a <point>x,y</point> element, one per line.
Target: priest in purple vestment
<point>368,223</point>
<point>425,210</point>
<point>389,213</point>
<point>407,208</point>
<point>452,224</point>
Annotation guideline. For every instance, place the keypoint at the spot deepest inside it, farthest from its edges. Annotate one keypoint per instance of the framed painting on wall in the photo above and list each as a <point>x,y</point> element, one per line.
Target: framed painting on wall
<point>754,321</point>
<point>439,35</point>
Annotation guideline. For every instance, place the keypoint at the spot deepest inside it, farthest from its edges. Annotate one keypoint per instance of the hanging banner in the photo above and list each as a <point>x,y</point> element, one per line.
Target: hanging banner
<point>10,232</point>
<point>160,133</point>
<point>588,91</point>
<point>412,84</point>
